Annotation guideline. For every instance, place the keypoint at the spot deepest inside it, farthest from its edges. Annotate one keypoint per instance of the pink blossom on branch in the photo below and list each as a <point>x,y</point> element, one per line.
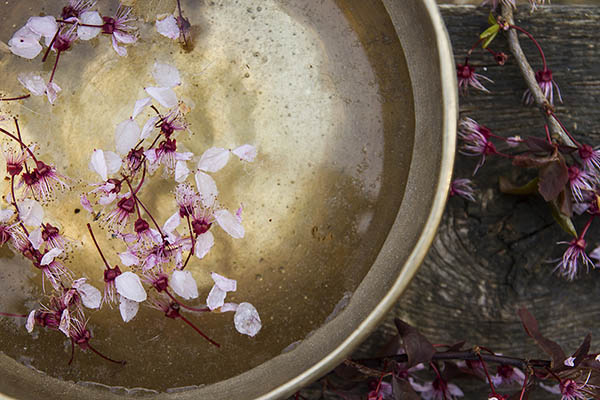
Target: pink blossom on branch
<point>467,77</point>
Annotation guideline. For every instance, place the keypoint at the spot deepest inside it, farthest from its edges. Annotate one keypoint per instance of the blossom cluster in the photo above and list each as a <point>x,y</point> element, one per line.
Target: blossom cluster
<point>154,255</point>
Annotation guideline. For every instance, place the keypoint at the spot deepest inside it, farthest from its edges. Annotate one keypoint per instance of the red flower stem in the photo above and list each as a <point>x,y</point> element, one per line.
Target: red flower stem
<point>123,362</point>
<point>530,36</point>
<point>14,201</point>
<point>524,387</point>
<point>205,309</point>
<point>50,46</point>
<point>15,98</point>
<point>135,201</point>
<point>586,227</point>
<point>16,139</point>
<point>62,21</point>
<point>198,330</point>
<point>548,134</point>
<point>72,352</point>
<point>179,8</point>
<point>55,65</point>
<point>487,374</point>
<point>3,314</point>
<point>139,186</point>
<point>437,373</point>
<point>22,146</point>
<point>471,50</point>
<point>193,243</point>
<point>565,129</point>
<point>97,246</point>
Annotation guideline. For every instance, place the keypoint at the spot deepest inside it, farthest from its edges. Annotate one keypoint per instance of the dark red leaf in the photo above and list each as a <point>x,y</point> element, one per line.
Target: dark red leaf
<point>565,202</point>
<point>456,346</point>
<point>554,176</point>
<point>417,347</point>
<point>583,350</point>
<point>537,144</point>
<point>402,390</point>
<point>549,347</point>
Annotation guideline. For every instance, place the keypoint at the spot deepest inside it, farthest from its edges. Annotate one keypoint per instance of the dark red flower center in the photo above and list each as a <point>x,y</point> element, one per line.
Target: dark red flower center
<point>161,283</point>
<point>108,26</point>
<point>544,76</point>
<point>464,71</point>
<point>141,225</point>
<point>200,226</point>
<point>111,274</point>
<point>127,204</point>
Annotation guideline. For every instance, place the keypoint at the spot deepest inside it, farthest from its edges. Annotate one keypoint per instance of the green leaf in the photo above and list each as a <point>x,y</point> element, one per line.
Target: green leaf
<point>508,187</point>
<point>489,34</point>
<point>492,19</point>
<point>564,221</point>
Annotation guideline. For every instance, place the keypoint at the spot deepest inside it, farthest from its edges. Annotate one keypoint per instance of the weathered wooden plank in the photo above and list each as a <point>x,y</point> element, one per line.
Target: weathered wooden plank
<point>493,256</point>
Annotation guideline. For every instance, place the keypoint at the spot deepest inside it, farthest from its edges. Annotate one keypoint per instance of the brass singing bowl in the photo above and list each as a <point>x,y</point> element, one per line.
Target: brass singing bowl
<point>353,107</point>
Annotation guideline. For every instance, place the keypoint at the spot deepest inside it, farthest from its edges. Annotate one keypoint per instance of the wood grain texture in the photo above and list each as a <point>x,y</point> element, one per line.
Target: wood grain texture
<point>491,257</point>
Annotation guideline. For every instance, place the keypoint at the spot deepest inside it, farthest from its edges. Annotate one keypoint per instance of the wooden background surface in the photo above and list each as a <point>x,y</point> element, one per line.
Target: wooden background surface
<point>493,256</point>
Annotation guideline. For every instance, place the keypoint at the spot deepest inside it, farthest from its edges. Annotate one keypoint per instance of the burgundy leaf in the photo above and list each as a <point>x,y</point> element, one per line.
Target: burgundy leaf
<point>532,161</point>
<point>565,202</point>
<point>456,346</point>
<point>538,144</point>
<point>554,176</point>
<point>549,347</point>
<point>583,350</point>
<point>402,390</point>
<point>418,348</point>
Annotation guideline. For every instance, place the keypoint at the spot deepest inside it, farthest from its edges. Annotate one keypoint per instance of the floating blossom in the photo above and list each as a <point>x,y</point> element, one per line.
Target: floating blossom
<point>463,188</point>
<point>25,43</point>
<point>89,32</point>
<point>547,84</point>
<point>167,26</point>
<point>468,78</point>
<point>246,319</point>
<point>569,264</point>
<point>183,284</point>
<point>119,216</point>
<point>439,389</point>
<point>216,297</point>
<point>43,180</point>
<point>38,87</point>
<point>120,29</point>
<point>580,181</point>
<point>76,8</point>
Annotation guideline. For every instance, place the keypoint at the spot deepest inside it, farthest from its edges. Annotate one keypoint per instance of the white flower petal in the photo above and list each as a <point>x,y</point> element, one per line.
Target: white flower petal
<point>140,105</point>
<point>30,321</point>
<point>98,164</point>
<point>90,296</point>
<point>246,152</point>
<point>31,212</point>
<point>128,308</point>
<point>50,255</point>
<point>122,51</point>
<point>106,200</point>
<point>227,307</point>
<point>164,95</point>
<point>207,188</point>
<point>166,75</point>
<point>89,18</point>
<point>181,171</point>
<point>32,82</point>
<point>216,298</point>
<point>85,203</point>
<point>246,319</point>
<point>168,27</point>
<point>6,214</point>
<point>35,238</point>
<point>183,284</point>
<point>213,159</point>
<point>225,284</point>
<point>570,362</point>
<point>595,254</point>
<point>204,243</point>
<point>229,223</point>
<point>128,259</point>
<point>44,26</point>
<point>148,127</point>
<point>65,322</point>
<point>123,37</point>
<point>129,286</point>
<point>25,43</point>
<point>113,161</point>
<point>172,223</point>
<point>455,390</point>
<point>126,136</point>
<point>52,90</point>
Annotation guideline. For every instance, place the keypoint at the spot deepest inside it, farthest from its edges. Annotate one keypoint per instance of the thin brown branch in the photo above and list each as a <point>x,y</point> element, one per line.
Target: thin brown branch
<point>529,76</point>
